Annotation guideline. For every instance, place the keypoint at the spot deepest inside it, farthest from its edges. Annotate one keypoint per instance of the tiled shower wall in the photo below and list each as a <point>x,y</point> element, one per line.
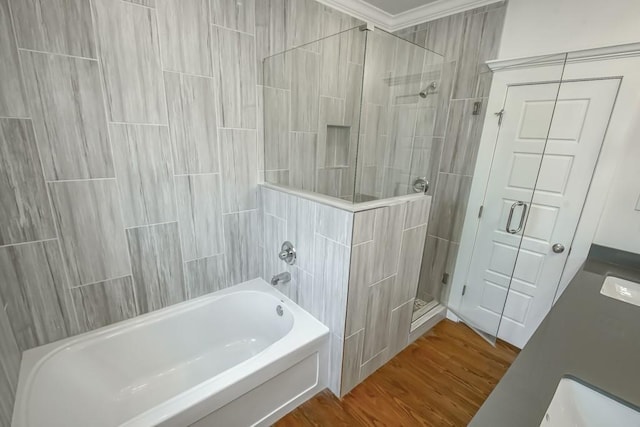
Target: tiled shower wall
<point>322,236</point>
<point>466,40</point>
<point>396,134</point>
<point>129,141</point>
<point>386,253</point>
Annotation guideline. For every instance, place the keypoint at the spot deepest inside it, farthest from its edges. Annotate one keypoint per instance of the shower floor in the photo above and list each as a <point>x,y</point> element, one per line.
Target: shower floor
<point>422,307</point>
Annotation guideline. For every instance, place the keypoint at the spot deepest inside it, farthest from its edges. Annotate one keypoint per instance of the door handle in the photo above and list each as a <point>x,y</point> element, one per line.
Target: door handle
<point>524,215</point>
<point>558,248</point>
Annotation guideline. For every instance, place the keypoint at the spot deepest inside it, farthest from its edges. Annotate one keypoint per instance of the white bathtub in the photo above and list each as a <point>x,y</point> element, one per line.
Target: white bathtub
<point>225,359</point>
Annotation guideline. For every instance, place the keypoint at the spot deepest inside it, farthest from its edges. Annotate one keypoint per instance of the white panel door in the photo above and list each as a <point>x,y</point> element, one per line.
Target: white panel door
<point>514,272</point>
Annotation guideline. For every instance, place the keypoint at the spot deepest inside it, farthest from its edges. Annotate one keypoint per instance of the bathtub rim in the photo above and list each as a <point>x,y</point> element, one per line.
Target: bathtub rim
<point>306,331</point>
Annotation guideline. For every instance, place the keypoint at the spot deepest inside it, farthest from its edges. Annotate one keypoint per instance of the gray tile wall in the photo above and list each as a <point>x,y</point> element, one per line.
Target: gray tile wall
<point>386,253</point>
<point>312,100</point>
<point>320,278</point>
<point>129,157</point>
<point>466,40</point>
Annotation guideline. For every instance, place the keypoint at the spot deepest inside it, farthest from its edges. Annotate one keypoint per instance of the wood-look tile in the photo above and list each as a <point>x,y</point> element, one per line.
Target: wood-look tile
<point>13,100</point>
<point>351,361</point>
<point>234,14</point>
<point>361,267</point>
<point>409,265</point>
<point>438,380</point>
<point>399,326</point>
<point>185,36</point>
<point>363,222</point>
<point>276,128</point>
<point>200,215</point>
<point>148,3</point>
<point>305,82</point>
<point>91,230</point>
<point>305,290</point>
<point>489,46</point>
<point>300,229</point>
<point>33,288</point>
<point>142,157</point>
<point>449,206</point>
<point>130,59</point>
<point>425,161</point>
<point>330,279</point>
<point>387,237</point>
<point>407,69</point>
<point>438,258</point>
<point>24,204</point>
<point>104,303</point>
<point>329,181</point>
<point>466,77</point>
<point>205,275</point>
<point>275,202</point>
<point>462,140</point>
<point>335,363</point>
<point>302,158</point>
<point>275,234</point>
<point>444,36</point>
<point>280,177</point>
<point>10,357</point>
<point>235,76</point>
<point>270,18</point>
<point>376,333</point>
<point>417,212</point>
<point>242,253</point>
<point>302,23</point>
<point>334,223</point>
<point>330,126</point>
<point>56,26</point>
<point>192,123</point>
<point>353,96</point>
<point>444,97</point>
<point>156,262</point>
<point>239,169</point>
<point>68,116</point>
<point>334,66</point>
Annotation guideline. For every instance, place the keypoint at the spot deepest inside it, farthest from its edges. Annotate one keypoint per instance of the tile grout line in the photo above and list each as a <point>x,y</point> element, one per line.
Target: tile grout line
<point>10,245</point>
<point>42,52</point>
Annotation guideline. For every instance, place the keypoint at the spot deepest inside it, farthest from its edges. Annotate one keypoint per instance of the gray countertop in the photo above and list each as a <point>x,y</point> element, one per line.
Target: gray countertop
<point>586,335</point>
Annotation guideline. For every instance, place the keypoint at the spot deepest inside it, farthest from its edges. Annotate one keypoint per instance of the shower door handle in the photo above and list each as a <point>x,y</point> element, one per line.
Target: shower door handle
<point>524,215</point>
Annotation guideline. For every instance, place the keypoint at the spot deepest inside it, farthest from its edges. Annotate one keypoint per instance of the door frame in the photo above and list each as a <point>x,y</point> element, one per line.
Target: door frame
<point>620,62</point>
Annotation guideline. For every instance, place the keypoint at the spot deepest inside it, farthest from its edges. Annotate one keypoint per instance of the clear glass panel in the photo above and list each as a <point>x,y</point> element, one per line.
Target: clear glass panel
<point>495,277</point>
<point>312,105</point>
<point>400,91</point>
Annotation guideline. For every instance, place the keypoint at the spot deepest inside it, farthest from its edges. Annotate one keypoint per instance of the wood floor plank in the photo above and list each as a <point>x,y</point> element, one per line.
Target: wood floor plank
<point>439,380</point>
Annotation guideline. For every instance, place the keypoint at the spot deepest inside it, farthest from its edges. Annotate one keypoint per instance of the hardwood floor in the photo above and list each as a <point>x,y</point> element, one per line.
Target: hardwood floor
<point>439,380</point>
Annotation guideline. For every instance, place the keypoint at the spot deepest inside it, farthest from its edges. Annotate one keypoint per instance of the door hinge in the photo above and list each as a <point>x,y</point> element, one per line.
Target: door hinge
<point>480,211</point>
<point>500,114</point>
<point>445,278</point>
<point>464,290</point>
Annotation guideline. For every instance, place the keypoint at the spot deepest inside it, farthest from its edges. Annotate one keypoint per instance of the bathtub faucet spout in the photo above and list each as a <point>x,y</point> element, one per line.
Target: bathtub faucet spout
<point>281,278</point>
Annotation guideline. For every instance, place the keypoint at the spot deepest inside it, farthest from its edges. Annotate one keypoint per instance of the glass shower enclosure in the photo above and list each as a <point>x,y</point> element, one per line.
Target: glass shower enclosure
<point>351,116</point>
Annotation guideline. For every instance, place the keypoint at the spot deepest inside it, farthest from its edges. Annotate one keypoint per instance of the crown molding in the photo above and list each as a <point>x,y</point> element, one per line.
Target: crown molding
<point>388,22</point>
<point>586,55</point>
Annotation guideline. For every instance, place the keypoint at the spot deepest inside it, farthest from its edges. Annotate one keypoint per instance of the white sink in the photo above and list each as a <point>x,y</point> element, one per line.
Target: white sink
<point>578,405</point>
<point>621,289</point>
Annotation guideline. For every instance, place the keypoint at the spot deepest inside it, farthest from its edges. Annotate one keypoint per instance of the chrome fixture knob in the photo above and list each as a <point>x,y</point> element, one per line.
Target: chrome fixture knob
<point>558,248</point>
<point>421,185</point>
<point>288,253</point>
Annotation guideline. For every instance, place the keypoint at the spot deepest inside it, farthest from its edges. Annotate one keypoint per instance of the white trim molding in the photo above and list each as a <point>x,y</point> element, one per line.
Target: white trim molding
<point>388,22</point>
<point>596,54</point>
